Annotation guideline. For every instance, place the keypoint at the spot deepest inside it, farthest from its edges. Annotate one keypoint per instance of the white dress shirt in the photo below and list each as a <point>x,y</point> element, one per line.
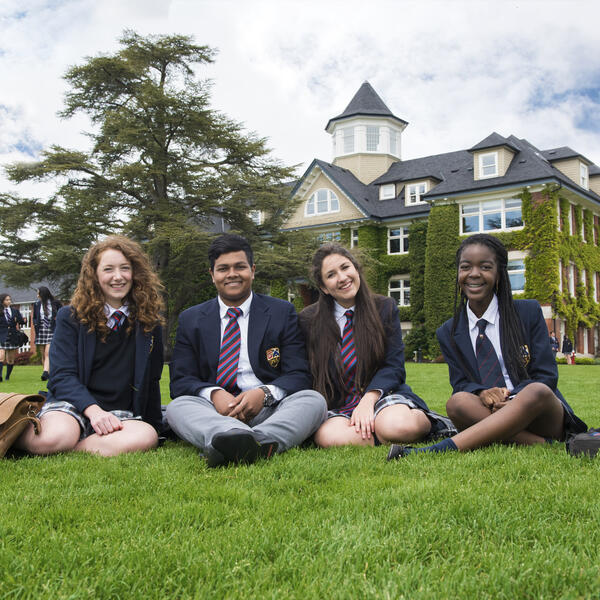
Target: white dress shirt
<point>109,311</point>
<point>246,379</point>
<point>492,330</point>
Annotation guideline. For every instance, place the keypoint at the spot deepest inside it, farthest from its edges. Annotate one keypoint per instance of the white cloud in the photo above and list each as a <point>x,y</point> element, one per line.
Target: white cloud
<point>456,70</point>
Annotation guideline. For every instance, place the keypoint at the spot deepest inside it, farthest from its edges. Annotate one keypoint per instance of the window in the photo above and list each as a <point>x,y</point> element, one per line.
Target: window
<point>516,274</point>
<point>583,176</point>
<point>387,191</point>
<point>595,286</point>
<point>329,236</point>
<point>394,143</point>
<point>353,238</point>
<point>571,219</point>
<point>322,201</point>
<point>397,240</point>
<point>571,279</point>
<point>399,289</point>
<point>491,215</point>
<point>348,139</point>
<point>488,165</point>
<point>560,276</point>
<point>256,216</point>
<point>414,191</point>
<point>372,138</point>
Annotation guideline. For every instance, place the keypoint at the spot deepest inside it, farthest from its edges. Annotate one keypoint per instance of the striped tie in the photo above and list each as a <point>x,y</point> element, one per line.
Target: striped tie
<point>490,372</point>
<point>349,363</point>
<point>230,353</point>
<point>118,317</point>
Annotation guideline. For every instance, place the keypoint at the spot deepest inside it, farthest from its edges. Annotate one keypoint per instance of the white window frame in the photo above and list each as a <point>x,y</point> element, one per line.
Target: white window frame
<point>325,237</point>
<point>483,211</point>
<point>483,175</point>
<point>402,237</point>
<point>373,133</point>
<point>394,139</point>
<point>354,237</point>
<point>416,190</point>
<point>583,278</point>
<point>514,257</point>
<point>571,220</point>
<point>571,279</point>
<point>387,191</point>
<point>560,276</point>
<point>584,177</point>
<point>348,140</point>
<point>403,289</point>
<point>331,196</point>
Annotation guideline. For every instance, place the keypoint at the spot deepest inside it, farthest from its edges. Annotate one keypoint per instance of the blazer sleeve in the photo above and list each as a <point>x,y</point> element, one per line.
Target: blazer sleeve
<point>64,383</point>
<point>459,379</point>
<point>294,374</point>
<point>542,365</point>
<point>153,413</point>
<point>185,376</point>
<point>392,373</point>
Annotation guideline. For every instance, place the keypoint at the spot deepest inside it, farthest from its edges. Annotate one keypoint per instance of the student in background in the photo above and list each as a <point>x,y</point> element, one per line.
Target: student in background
<point>44,322</point>
<point>11,321</point>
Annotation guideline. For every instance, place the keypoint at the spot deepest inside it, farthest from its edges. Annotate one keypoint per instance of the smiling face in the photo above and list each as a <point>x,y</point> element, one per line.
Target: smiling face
<point>340,279</point>
<point>477,276</point>
<point>115,276</point>
<point>7,301</point>
<point>233,275</point>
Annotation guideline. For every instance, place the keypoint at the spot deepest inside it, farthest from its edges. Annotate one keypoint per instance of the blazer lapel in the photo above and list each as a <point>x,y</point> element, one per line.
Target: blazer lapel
<point>462,339</point>
<point>87,343</point>
<point>143,346</point>
<point>257,326</point>
<point>209,327</point>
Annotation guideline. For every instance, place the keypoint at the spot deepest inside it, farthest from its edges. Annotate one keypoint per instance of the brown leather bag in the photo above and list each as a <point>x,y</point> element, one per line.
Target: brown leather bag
<point>16,411</point>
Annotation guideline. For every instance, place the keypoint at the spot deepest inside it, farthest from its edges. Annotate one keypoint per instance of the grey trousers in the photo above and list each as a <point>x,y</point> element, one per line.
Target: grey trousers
<point>289,423</point>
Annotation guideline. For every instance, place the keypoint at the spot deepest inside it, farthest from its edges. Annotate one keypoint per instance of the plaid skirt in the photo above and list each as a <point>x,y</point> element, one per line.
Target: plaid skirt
<point>84,422</point>
<point>44,336</point>
<point>6,345</point>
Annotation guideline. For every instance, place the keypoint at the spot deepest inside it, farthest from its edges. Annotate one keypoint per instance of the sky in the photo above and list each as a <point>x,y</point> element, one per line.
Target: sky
<point>456,70</point>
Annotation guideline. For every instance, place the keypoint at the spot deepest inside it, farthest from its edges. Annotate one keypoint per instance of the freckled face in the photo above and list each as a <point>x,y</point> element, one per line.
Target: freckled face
<point>477,276</point>
<point>340,279</point>
<point>115,276</point>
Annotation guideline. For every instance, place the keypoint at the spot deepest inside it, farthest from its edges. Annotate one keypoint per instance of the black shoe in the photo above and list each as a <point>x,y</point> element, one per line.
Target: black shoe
<point>398,451</point>
<point>238,446</point>
<point>45,376</point>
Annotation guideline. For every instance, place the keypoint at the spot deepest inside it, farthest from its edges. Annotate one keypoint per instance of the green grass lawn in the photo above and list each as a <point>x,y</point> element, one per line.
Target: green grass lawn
<point>503,522</point>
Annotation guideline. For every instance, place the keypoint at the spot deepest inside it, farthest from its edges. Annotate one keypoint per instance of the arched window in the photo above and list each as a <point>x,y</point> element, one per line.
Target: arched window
<point>321,202</point>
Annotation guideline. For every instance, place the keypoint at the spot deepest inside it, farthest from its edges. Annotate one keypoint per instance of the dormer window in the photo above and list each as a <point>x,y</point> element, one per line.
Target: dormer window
<point>583,176</point>
<point>488,165</point>
<point>387,191</point>
<point>414,192</point>
<point>321,202</point>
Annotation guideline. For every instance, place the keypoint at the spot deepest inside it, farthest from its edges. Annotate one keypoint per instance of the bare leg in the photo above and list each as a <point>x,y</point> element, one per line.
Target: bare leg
<point>337,431</point>
<point>136,436</point>
<point>59,433</point>
<point>46,357</point>
<point>535,409</point>
<point>400,423</point>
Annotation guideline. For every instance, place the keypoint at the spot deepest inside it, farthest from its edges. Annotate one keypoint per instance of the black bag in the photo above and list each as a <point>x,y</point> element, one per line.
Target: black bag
<point>17,338</point>
<point>587,443</point>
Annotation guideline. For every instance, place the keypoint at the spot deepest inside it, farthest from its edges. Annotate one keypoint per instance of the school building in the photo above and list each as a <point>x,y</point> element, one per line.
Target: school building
<point>407,218</point>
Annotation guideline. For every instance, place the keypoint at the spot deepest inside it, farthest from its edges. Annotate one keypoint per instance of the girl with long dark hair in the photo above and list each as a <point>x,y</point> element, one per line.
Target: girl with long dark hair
<point>106,358</point>
<point>44,322</point>
<point>502,370</point>
<point>356,356</point>
<point>11,321</point>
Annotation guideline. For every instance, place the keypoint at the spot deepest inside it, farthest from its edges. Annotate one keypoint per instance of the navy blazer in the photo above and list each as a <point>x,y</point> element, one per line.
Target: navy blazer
<point>464,374</point>
<point>37,315</point>
<point>17,318</point>
<point>72,355</point>
<point>391,374</point>
<point>273,323</point>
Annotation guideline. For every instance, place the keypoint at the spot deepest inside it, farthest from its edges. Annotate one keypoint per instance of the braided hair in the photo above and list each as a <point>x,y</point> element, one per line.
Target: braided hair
<point>511,328</point>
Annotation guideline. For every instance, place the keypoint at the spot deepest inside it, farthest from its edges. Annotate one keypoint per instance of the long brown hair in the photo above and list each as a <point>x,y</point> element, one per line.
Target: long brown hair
<point>144,299</point>
<point>324,333</point>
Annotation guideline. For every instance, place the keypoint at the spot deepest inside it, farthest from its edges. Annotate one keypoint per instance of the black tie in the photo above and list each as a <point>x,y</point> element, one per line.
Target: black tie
<point>490,372</point>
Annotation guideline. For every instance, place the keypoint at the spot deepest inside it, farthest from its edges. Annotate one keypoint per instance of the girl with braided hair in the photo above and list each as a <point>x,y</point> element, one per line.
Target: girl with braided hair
<point>502,370</point>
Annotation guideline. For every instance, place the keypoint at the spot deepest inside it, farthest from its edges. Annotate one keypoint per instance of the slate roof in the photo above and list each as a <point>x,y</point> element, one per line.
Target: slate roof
<point>366,102</point>
<point>454,172</point>
<point>24,295</point>
<point>493,141</point>
<point>562,153</point>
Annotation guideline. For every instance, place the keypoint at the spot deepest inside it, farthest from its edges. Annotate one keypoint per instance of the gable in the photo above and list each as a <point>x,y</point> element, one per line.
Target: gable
<point>348,211</point>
